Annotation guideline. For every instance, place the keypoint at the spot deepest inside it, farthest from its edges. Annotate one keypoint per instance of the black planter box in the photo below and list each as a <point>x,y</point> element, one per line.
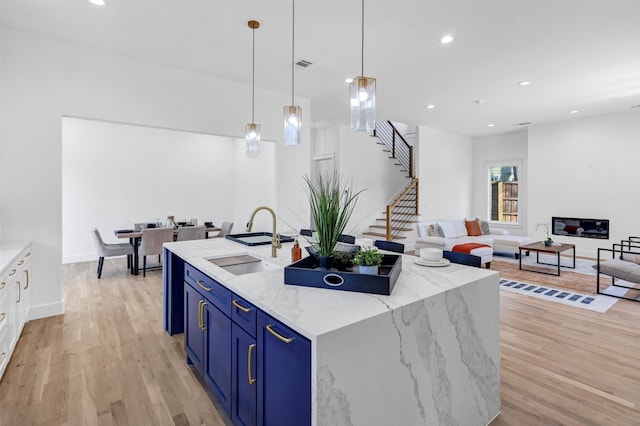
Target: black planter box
<point>306,272</point>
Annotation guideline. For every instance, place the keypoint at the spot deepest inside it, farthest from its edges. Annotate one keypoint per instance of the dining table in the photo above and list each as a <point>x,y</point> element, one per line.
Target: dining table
<point>135,236</point>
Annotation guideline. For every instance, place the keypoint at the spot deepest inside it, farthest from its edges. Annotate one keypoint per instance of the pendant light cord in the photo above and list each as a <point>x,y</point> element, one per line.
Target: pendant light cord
<point>362,50</point>
<point>293,45</point>
<point>253,77</point>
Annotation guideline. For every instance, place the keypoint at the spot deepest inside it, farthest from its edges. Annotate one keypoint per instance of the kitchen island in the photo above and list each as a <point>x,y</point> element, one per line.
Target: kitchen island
<point>428,354</point>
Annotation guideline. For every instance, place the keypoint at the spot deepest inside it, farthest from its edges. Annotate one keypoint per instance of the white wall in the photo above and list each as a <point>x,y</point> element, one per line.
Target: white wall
<point>114,175</point>
<point>361,159</point>
<point>445,174</point>
<point>504,148</point>
<point>44,80</point>
<point>586,167</point>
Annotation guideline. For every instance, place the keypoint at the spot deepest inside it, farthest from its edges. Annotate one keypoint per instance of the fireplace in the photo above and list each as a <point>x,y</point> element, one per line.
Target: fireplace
<point>580,227</point>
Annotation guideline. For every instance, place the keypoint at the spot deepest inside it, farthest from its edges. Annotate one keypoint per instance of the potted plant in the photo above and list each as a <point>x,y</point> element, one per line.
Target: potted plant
<point>332,202</point>
<point>368,260</point>
<point>545,225</point>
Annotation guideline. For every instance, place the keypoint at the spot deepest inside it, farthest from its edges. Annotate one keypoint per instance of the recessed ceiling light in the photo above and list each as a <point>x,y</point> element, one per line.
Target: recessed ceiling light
<point>446,39</point>
<point>430,106</point>
<point>524,83</point>
<point>575,111</point>
<point>478,101</point>
<point>635,106</point>
<point>348,80</point>
<point>490,125</point>
<point>97,2</point>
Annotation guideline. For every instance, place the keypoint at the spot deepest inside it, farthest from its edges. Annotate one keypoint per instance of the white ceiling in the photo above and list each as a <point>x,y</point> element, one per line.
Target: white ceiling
<point>579,55</point>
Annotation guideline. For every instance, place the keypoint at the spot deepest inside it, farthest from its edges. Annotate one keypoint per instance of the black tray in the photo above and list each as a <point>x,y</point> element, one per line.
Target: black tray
<point>257,238</point>
<point>306,272</point>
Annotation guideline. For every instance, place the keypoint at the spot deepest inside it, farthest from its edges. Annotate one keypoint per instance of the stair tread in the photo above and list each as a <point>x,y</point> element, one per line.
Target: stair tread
<point>377,234</point>
<point>403,221</point>
<point>392,227</point>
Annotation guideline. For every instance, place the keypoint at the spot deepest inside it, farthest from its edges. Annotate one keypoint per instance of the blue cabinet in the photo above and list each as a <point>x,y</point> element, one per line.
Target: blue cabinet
<point>284,374</point>
<point>258,368</point>
<point>208,332</point>
<point>244,381</point>
<point>193,328</point>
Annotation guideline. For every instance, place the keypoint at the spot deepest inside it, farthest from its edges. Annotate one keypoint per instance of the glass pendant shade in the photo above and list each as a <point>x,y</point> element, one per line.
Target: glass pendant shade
<point>252,140</point>
<point>363,104</point>
<point>292,124</point>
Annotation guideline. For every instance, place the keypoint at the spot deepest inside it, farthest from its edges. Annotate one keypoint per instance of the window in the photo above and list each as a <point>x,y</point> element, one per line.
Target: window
<point>503,192</point>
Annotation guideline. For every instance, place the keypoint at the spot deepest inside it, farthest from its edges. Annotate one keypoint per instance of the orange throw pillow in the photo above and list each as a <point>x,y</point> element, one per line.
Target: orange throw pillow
<point>473,228</point>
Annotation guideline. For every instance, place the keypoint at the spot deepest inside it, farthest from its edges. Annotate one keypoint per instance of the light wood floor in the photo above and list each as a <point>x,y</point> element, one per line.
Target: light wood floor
<point>108,362</point>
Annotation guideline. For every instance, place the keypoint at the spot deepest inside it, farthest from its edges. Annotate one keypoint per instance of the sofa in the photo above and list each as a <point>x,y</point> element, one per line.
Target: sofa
<point>445,234</point>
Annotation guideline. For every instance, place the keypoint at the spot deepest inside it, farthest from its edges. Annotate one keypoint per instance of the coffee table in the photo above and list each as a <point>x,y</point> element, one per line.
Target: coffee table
<point>539,247</point>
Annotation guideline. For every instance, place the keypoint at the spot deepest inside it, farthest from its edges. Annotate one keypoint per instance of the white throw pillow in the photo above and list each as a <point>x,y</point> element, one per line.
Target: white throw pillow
<point>448,229</point>
<point>461,229</point>
<point>422,229</point>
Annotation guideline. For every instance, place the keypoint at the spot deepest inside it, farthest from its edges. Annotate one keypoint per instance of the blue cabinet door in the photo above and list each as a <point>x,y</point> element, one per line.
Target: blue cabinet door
<point>244,380</point>
<point>194,335</point>
<point>172,294</point>
<point>217,355</point>
<point>284,374</point>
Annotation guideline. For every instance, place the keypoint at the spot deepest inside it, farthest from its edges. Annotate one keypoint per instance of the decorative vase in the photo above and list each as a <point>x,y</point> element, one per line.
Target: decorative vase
<point>326,262</point>
<point>548,242</point>
<point>369,270</point>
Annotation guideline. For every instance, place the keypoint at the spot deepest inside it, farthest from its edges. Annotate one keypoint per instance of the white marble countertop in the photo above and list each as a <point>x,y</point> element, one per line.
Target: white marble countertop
<point>316,311</point>
<point>9,251</point>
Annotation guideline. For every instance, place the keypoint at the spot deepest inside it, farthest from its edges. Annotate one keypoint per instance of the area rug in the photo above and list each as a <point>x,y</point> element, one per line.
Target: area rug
<point>570,288</point>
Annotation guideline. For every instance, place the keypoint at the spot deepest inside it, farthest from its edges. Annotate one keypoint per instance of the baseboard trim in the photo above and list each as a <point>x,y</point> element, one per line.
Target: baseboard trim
<point>45,311</point>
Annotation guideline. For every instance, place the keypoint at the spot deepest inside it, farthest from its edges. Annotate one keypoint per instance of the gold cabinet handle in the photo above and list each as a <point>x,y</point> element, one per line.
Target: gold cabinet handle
<point>200,315</point>
<point>251,348</point>
<point>4,355</point>
<point>3,285</point>
<point>21,262</point>
<point>239,306</point>
<point>28,254</point>
<point>270,329</point>
<point>13,272</point>
<point>204,287</point>
<point>2,316</point>
<point>26,272</point>
<point>19,292</point>
<point>203,326</point>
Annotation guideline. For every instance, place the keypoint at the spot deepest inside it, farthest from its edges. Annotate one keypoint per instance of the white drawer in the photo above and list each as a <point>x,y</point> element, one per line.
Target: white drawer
<point>4,315</point>
<point>4,351</point>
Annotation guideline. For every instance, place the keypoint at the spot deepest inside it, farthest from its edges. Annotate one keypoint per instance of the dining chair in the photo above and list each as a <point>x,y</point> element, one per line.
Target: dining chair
<point>349,239</point>
<point>389,246</point>
<point>110,250</point>
<point>186,233</point>
<point>225,229</point>
<point>306,232</point>
<point>151,243</point>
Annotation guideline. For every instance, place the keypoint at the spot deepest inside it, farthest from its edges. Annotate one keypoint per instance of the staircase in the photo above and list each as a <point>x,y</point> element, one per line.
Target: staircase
<point>402,212</point>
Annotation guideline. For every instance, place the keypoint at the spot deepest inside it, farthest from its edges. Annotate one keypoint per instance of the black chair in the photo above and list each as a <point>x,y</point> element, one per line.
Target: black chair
<point>463,258</point>
<point>306,232</point>
<point>389,246</point>
<point>349,239</point>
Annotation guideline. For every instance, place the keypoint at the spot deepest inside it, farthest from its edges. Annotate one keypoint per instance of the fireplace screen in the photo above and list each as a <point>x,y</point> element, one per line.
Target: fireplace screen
<point>580,227</point>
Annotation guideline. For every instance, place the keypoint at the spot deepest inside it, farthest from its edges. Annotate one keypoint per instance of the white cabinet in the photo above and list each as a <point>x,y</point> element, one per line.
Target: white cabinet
<point>15,300</point>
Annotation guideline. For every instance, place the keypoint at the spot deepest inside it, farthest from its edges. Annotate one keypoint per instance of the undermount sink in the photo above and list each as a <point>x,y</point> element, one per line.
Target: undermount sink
<point>242,264</point>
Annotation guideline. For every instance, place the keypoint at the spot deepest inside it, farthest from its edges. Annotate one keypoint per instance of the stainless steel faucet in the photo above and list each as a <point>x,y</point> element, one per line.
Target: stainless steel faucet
<point>275,237</point>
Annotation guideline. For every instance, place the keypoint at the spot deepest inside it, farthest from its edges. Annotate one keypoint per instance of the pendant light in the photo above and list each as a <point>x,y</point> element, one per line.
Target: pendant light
<point>363,97</point>
<point>252,130</point>
<point>292,113</point>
